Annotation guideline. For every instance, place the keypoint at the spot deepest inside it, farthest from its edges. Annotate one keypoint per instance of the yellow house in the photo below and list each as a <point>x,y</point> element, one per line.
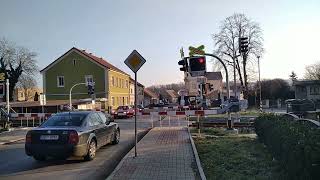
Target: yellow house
<point>119,89</point>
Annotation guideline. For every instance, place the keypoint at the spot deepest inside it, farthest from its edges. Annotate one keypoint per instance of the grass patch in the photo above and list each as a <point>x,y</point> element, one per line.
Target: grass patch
<point>235,157</point>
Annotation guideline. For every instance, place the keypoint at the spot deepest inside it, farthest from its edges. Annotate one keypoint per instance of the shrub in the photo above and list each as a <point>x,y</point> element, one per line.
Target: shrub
<point>296,146</point>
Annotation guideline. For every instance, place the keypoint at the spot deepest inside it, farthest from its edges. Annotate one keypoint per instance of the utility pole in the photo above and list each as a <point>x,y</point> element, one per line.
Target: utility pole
<point>260,102</point>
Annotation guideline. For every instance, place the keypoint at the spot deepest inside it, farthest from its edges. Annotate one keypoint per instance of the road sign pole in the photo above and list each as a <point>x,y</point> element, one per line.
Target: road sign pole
<point>7,97</point>
<point>134,61</point>
<point>135,114</point>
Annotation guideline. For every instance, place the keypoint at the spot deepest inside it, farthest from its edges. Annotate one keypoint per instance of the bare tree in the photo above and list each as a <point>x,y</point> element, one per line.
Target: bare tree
<point>28,84</point>
<point>16,61</point>
<point>227,45</point>
<point>313,72</point>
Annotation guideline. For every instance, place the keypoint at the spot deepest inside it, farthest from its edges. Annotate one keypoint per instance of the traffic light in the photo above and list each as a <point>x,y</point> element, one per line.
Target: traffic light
<point>243,45</point>
<point>197,65</point>
<point>184,64</point>
<point>202,89</point>
<point>90,88</point>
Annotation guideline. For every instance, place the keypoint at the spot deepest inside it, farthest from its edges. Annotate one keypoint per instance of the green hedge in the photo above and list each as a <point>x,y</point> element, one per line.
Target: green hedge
<point>296,146</point>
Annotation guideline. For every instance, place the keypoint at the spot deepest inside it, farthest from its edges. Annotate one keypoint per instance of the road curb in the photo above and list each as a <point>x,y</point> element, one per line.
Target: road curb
<point>11,141</point>
<point>127,154</point>
<point>196,155</point>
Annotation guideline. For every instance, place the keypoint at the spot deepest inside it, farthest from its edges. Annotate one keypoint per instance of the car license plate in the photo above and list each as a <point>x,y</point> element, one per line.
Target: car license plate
<point>121,114</point>
<point>49,137</point>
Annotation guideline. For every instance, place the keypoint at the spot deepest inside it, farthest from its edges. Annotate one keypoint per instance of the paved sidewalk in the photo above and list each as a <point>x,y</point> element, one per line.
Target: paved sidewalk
<point>164,153</point>
<point>13,135</point>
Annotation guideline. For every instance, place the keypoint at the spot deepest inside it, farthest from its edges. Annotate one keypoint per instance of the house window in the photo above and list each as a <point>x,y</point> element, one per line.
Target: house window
<point>117,82</point>
<point>88,79</point>
<point>112,101</point>
<point>126,83</point>
<point>112,79</point>
<point>60,81</point>
<point>314,90</point>
<point>123,103</point>
<point>127,101</point>
<point>74,62</point>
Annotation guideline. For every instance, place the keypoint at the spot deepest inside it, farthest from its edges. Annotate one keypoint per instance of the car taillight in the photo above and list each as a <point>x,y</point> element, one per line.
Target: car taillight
<point>28,138</point>
<point>73,137</point>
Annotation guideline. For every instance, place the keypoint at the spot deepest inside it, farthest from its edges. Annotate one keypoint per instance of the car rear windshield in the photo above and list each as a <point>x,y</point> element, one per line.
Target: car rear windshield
<point>64,120</point>
<point>123,107</point>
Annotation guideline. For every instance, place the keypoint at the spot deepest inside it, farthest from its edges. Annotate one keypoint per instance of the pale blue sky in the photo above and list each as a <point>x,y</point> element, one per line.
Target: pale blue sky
<point>157,29</point>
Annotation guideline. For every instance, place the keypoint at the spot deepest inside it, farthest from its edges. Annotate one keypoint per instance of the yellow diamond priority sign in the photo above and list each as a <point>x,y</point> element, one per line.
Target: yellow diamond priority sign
<point>134,61</point>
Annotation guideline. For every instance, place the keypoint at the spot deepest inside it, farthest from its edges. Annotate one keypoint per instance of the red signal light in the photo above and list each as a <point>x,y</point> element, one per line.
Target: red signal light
<point>201,60</point>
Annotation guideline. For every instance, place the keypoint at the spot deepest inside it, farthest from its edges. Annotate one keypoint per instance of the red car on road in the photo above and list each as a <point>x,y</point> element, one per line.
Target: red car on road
<point>123,112</point>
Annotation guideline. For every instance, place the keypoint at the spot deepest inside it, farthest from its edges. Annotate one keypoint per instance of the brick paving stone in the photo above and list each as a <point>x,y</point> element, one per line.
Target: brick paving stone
<point>164,153</point>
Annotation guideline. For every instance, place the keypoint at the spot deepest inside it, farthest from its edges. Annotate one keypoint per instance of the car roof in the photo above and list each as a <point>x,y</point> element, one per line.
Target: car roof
<point>75,112</point>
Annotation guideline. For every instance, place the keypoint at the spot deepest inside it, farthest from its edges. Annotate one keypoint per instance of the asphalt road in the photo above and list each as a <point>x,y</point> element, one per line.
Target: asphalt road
<point>14,164</point>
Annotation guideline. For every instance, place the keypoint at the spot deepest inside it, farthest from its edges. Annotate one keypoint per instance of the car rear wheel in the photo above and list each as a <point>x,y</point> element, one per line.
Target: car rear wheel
<point>39,158</point>
<point>116,137</point>
<point>91,151</point>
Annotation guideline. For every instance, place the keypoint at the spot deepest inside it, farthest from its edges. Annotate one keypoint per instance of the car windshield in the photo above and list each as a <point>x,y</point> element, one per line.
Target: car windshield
<point>64,120</point>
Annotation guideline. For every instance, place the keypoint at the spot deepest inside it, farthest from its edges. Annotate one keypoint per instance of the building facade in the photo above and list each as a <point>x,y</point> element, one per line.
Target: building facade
<point>21,94</point>
<point>78,66</point>
<point>140,93</point>
<point>307,89</point>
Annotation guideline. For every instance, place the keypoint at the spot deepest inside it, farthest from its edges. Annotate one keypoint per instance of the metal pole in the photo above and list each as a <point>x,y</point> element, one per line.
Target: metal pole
<point>70,92</point>
<point>260,102</point>
<point>135,114</point>
<point>152,120</point>
<point>198,125</point>
<point>7,97</point>
<point>227,83</point>
<point>234,78</point>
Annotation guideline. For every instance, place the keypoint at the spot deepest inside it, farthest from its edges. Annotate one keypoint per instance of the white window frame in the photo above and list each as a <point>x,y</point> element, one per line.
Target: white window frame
<point>87,77</point>
<point>58,81</point>
<point>113,101</point>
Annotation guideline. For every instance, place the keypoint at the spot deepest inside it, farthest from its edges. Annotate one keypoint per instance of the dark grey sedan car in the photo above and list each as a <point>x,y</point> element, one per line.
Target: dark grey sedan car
<point>71,134</point>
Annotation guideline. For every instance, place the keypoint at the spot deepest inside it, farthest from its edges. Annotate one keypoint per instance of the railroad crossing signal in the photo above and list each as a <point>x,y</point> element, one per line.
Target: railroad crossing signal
<point>197,66</point>
<point>2,76</point>
<point>2,89</point>
<point>199,50</point>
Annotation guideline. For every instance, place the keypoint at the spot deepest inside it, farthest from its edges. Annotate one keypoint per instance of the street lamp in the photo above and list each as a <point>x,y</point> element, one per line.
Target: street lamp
<point>260,102</point>
<point>70,93</point>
